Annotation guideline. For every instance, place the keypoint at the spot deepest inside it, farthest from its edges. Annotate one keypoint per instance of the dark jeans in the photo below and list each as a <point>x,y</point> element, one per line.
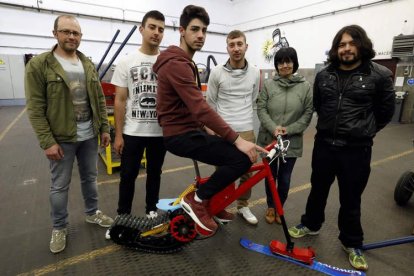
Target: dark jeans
<point>282,173</point>
<point>130,163</point>
<point>351,166</point>
<point>212,150</point>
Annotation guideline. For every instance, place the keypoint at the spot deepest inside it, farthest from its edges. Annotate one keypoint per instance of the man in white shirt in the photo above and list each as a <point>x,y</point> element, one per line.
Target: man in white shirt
<point>136,125</point>
<point>231,92</point>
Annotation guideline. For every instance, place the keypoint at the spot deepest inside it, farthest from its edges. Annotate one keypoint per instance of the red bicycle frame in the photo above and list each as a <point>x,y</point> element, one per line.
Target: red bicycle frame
<point>228,195</point>
<point>261,171</point>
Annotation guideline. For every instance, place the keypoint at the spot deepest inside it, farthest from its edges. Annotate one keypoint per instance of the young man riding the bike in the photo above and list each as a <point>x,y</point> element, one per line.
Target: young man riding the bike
<point>183,113</point>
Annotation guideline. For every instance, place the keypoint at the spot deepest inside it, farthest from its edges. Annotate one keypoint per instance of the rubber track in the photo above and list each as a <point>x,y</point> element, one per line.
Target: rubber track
<point>127,229</point>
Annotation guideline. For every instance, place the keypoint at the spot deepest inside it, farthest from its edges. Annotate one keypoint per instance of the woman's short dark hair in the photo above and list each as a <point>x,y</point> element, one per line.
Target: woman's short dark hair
<point>287,54</point>
<point>361,39</point>
<point>190,12</point>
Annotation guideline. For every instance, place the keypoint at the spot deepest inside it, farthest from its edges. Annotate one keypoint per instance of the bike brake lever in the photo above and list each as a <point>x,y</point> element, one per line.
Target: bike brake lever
<point>283,157</point>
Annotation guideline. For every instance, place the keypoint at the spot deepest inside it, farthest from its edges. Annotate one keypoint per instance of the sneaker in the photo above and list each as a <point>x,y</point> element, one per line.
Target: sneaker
<point>277,219</point>
<point>247,215</point>
<point>58,240</point>
<point>300,231</point>
<point>100,218</point>
<point>223,216</point>
<point>356,258</point>
<point>108,234</point>
<point>198,212</point>
<point>152,215</point>
<point>270,215</point>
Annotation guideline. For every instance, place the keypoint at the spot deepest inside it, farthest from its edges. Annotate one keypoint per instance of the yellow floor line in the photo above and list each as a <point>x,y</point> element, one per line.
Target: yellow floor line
<point>111,181</point>
<point>113,248</point>
<point>392,157</point>
<point>4,132</point>
<point>74,260</point>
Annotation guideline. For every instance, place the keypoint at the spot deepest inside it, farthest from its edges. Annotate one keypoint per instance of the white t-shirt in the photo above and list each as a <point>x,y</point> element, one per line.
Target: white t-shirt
<point>80,99</point>
<point>135,72</point>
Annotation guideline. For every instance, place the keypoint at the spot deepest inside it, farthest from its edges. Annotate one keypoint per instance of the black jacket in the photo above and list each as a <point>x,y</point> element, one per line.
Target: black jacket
<point>355,114</point>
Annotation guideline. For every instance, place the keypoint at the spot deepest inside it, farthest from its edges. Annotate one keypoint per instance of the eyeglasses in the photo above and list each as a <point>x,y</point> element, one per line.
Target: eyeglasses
<point>281,64</point>
<point>68,33</point>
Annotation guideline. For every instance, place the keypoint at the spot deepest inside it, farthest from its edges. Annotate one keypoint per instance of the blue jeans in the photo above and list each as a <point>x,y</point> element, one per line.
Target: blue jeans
<point>282,173</point>
<point>86,153</point>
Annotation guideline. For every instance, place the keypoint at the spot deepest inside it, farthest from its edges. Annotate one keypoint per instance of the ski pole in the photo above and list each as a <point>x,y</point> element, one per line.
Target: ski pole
<point>107,50</point>
<point>117,52</point>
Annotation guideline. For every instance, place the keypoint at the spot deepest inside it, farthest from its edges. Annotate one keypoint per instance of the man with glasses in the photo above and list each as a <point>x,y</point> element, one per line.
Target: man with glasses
<point>66,108</point>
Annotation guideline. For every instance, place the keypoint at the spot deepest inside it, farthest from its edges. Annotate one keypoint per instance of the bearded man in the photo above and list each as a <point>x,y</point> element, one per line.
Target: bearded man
<point>354,99</point>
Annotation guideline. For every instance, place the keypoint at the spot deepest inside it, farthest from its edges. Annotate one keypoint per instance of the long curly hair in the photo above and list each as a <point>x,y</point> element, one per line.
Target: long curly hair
<point>362,41</point>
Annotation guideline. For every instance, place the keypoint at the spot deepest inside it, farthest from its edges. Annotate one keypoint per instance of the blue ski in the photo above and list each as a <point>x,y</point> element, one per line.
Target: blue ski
<point>318,266</point>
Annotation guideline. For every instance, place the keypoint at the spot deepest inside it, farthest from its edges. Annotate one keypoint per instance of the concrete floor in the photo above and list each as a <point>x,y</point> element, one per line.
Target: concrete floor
<point>25,226</point>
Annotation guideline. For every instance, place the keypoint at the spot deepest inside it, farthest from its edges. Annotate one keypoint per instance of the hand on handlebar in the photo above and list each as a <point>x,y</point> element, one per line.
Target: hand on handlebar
<point>279,131</point>
<point>249,148</point>
<point>279,149</point>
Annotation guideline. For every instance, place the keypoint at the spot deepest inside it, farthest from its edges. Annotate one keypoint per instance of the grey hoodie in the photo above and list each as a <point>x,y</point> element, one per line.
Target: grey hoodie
<point>232,93</point>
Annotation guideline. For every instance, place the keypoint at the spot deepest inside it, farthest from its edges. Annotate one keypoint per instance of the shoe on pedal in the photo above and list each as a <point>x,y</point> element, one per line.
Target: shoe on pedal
<point>247,215</point>
<point>223,216</point>
<point>198,212</point>
<point>356,258</point>
<point>300,231</point>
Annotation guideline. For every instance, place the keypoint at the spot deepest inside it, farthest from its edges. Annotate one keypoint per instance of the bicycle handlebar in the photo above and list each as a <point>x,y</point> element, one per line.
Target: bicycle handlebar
<point>278,149</point>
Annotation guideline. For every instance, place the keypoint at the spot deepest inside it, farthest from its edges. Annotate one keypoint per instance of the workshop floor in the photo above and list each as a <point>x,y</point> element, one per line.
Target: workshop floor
<point>25,226</point>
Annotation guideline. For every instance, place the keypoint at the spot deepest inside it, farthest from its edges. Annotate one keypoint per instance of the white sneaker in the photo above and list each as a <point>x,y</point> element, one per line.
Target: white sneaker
<point>247,215</point>
<point>107,235</point>
<point>152,215</point>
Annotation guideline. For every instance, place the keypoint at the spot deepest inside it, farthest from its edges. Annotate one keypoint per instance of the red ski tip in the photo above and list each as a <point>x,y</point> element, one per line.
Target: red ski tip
<point>304,255</point>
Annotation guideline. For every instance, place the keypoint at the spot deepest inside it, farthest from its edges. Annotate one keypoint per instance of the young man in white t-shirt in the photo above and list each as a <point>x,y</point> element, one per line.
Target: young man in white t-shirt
<point>136,125</point>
